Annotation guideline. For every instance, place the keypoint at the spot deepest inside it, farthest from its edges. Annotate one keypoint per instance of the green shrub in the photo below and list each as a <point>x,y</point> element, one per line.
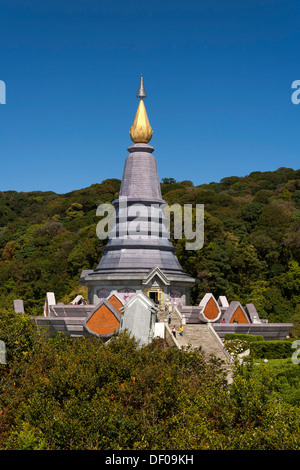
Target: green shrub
<point>236,343</point>
<point>285,379</point>
<point>271,349</point>
<point>17,331</point>
<point>79,394</point>
<point>236,346</point>
<point>248,338</point>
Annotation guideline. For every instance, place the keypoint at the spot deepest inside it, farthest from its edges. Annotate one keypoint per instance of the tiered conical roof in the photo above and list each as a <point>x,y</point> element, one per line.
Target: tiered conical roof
<point>136,256</point>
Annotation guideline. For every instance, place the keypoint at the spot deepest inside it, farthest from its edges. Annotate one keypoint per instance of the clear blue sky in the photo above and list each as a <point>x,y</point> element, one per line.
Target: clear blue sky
<point>218,77</point>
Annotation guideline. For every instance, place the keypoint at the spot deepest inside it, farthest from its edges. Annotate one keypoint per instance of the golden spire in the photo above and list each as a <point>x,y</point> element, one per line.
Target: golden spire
<point>141,131</point>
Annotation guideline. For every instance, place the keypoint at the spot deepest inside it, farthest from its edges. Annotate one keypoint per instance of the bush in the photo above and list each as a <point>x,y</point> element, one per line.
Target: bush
<point>285,379</point>
<point>236,346</point>
<point>79,394</point>
<point>237,343</point>
<point>271,349</point>
<point>17,331</point>
<point>248,338</point>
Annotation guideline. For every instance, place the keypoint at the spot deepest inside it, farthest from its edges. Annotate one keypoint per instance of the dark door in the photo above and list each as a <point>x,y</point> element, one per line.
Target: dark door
<point>154,296</point>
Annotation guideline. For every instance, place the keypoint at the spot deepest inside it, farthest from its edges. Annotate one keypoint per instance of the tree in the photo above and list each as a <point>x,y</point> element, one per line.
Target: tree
<point>168,180</point>
<point>74,211</point>
<point>251,213</point>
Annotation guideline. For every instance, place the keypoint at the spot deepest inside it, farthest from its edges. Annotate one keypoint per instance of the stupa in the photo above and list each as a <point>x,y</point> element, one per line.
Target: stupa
<point>138,273</point>
<point>146,263</point>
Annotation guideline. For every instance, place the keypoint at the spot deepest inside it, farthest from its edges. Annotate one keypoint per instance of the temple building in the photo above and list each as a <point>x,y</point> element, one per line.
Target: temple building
<point>147,263</point>
<point>139,280</point>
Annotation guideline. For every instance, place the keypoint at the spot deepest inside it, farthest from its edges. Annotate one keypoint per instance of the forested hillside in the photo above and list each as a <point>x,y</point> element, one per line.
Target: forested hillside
<point>251,251</point>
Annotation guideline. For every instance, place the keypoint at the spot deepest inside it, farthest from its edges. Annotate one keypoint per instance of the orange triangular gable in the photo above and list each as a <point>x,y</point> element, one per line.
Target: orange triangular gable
<point>104,320</point>
<point>115,302</point>
<point>235,313</point>
<point>239,316</point>
<point>211,309</point>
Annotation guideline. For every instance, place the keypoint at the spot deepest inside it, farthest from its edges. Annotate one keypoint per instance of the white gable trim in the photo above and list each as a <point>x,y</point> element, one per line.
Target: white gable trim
<point>156,272</point>
<point>203,303</point>
<point>140,297</point>
<point>222,301</point>
<point>115,293</point>
<point>49,301</point>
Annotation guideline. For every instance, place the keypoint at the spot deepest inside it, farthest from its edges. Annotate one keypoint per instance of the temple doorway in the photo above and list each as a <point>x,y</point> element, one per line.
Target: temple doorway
<point>156,295</point>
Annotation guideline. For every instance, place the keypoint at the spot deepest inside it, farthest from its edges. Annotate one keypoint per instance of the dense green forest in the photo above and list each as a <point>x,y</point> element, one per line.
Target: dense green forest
<point>251,250</point>
<point>77,393</point>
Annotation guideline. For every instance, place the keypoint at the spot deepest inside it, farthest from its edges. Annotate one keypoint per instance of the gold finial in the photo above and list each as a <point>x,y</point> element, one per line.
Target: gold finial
<point>141,131</point>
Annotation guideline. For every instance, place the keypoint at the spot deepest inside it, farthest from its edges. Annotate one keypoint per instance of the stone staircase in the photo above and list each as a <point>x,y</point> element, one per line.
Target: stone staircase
<point>162,315</point>
<point>195,335</point>
<point>202,336</point>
